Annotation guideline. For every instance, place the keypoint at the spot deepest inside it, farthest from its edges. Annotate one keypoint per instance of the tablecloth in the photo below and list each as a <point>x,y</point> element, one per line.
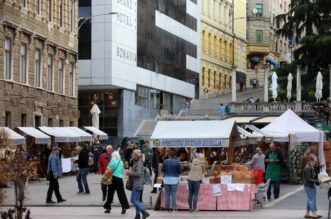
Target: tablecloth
<point>235,200</point>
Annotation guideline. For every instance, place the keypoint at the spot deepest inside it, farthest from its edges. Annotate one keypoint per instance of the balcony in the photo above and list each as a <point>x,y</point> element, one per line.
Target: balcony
<point>262,49</point>
<point>270,108</point>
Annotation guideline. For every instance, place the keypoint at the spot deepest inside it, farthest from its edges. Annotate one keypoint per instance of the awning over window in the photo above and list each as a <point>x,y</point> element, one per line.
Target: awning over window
<point>59,137</point>
<point>40,137</point>
<point>101,134</point>
<point>14,137</point>
<point>72,137</point>
<point>84,136</point>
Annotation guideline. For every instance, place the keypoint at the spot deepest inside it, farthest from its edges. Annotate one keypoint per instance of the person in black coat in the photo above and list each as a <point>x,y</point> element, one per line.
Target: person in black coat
<point>83,158</point>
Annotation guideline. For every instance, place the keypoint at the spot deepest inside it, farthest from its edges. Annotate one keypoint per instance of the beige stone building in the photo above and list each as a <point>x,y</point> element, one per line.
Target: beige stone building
<point>38,56</point>
<point>264,46</point>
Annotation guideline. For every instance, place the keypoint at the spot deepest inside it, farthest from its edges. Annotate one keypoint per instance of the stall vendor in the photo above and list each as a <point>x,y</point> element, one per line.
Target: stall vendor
<point>273,159</point>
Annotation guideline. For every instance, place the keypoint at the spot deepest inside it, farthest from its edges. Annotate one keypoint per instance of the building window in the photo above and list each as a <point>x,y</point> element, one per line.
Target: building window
<point>214,9</point>
<point>50,122</point>
<point>61,76</point>
<point>71,15</point>
<point>7,59</point>
<point>37,121</point>
<point>259,8</point>
<point>37,64</point>
<point>50,73</point>
<point>23,120</point>
<point>214,79</point>
<point>209,7</point>
<point>220,80</point>
<point>23,3</point>
<point>61,13</point>
<point>224,82</point>
<point>259,36</point>
<point>203,77</point>
<point>220,11</point>
<point>61,124</point>
<point>208,78</point>
<point>8,119</point>
<point>71,78</point>
<point>71,123</point>
<point>38,6</point>
<point>50,10</point>
<point>23,63</point>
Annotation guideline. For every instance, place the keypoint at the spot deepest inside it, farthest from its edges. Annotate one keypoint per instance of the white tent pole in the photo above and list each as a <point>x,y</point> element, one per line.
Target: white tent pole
<point>298,84</point>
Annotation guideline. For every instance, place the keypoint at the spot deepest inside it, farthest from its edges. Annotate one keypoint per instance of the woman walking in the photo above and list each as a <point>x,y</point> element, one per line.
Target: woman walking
<point>137,176</point>
<point>194,180</point>
<point>309,181</point>
<point>117,168</point>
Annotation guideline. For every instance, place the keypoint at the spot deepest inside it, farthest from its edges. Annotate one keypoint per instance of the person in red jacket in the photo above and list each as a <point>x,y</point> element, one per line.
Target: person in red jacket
<point>102,166</point>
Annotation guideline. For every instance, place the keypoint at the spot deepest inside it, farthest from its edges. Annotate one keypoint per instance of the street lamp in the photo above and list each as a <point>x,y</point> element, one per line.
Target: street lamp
<point>85,19</point>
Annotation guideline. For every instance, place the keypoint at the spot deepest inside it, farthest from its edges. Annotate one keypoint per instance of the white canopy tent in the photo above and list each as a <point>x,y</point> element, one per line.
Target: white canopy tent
<point>84,136</point>
<point>194,133</point>
<point>40,137</point>
<point>58,136</point>
<point>290,123</point>
<point>72,136</point>
<point>13,136</point>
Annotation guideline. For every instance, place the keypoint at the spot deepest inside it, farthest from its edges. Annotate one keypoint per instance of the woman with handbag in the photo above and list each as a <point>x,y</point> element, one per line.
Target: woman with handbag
<point>136,183</point>
<point>116,168</point>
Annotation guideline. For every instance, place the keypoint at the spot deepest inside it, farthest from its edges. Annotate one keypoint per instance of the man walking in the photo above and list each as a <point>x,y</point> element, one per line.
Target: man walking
<point>83,168</point>
<point>148,153</point>
<point>221,111</point>
<point>103,162</point>
<point>54,171</point>
<point>206,93</point>
<point>273,159</point>
<point>96,151</point>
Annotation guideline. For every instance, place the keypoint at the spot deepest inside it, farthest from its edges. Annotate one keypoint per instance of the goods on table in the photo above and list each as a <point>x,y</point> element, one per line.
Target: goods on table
<point>327,154</point>
<point>239,173</point>
<point>297,163</point>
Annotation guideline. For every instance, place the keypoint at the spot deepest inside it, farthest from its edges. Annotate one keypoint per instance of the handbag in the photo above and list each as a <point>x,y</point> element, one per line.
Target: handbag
<point>108,178</point>
<point>129,184</point>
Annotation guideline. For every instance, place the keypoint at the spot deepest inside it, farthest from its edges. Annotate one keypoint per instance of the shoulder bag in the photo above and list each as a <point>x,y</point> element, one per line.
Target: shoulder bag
<point>107,178</point>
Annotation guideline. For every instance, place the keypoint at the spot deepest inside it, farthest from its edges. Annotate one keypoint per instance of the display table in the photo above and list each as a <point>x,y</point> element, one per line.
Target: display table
<point>234,200</point>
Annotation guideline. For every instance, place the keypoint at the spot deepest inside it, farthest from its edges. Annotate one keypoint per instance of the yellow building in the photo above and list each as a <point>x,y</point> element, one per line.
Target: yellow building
<point>221,50</point>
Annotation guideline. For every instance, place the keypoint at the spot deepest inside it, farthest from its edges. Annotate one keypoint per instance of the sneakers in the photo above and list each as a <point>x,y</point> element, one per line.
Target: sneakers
<point>190,210</point>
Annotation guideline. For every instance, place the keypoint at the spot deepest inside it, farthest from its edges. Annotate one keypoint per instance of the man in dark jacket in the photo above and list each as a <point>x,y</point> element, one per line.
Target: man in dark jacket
<point>83,158</point>
<point>156,160</point>
<point>96,150</point>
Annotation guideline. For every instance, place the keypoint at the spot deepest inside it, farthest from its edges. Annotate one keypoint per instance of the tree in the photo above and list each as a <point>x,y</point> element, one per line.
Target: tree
<point>308,24</point>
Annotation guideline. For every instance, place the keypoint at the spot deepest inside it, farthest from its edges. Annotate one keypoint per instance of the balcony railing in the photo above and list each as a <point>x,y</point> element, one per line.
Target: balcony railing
<point>248,108</point>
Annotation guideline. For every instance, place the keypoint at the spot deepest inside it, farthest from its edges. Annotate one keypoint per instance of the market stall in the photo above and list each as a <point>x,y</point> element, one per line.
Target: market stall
<point>223,136</point>
<point>36,142</point>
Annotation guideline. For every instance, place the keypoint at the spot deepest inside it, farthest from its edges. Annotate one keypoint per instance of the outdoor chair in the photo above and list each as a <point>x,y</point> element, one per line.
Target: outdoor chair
<point>329,197</point>
<point>262,190</point>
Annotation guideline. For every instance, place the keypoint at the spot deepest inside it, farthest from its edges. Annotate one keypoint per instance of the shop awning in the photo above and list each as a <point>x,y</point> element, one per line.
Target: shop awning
<point>194,133</point>
<point>102,135</point>
<point>13,136</point>
<point>59,137</point>
<point>84,136</point>
<point>72,137</point>
<point>242,119</point>
<point>40,137</point>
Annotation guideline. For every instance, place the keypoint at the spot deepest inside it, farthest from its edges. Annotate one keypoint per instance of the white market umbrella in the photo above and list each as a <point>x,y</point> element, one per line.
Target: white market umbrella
<point>274,85</point>
<point>95,111</point>
<point>319,86</point>
<point>289,86</point>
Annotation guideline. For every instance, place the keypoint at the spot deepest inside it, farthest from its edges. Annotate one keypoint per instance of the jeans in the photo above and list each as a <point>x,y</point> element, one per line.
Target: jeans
<point>193,192</point>
<point>135,196</point>
<point>95,162</point>
<point>311,195</point>
<point>170,190</point>
<point>82,180</point>
<point>276,185</point>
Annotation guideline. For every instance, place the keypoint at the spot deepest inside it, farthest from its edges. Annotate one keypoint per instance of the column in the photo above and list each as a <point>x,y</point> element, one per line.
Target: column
<point>298,84</point>
<point>234,85</point>
<point>266,82</point>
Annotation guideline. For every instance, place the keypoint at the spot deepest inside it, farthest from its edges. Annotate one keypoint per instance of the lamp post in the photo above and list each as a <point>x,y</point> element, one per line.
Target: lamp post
<point>85,19</point>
